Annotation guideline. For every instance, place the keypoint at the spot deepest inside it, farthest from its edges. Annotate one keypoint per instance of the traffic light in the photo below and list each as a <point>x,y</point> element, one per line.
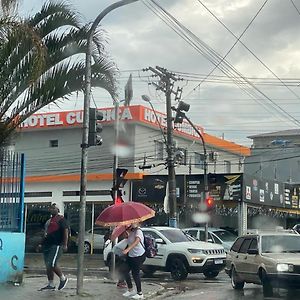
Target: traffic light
<point>209,203</point>
<point>181,108</point>
<point>118,199</point>
<point>120,182</point>
<point>95,128</point>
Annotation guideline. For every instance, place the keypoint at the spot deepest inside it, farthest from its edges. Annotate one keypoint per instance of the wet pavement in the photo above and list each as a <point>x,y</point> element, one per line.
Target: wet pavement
<point>94,288</point>
<point>160,286</point>
<point>97,284</point>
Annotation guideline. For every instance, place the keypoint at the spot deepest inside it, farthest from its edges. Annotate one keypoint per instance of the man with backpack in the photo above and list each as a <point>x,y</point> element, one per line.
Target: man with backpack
<point>54,243</point>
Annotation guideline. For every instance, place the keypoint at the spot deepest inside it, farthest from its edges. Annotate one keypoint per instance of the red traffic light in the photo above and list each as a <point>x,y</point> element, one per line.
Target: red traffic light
<point>119,200</point>
<point>210,203</point>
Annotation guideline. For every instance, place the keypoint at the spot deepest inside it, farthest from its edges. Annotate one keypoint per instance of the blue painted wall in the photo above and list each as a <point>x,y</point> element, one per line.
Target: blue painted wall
<point>12,252</point>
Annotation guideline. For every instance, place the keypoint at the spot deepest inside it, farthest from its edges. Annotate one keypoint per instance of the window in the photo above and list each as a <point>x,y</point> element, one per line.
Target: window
<point>202,236</point>
<point>245,246</point>
<point>253,244</point>
<point>199,160</point>
<point>181,155</point>
<point>88,193</point>
<point>159,150</point>
<point>236,246</point>
<point>53,143</point>
<point>227,165</point>
<point>38,194</point>
<point>193,233</point>
<point>151,233</point>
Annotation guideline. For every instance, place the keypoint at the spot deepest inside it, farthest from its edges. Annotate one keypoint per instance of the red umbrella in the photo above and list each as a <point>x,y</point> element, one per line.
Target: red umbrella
<point>118,231</point>
<point>124,214</point>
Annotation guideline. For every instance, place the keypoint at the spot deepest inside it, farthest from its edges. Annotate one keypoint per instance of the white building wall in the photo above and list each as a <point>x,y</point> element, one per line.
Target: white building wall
<point>42,160</point>
<point>145,148</point>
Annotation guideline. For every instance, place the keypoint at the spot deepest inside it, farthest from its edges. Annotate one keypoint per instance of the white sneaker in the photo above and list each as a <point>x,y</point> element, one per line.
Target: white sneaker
<point>138,296</point>
<point>129,294</point>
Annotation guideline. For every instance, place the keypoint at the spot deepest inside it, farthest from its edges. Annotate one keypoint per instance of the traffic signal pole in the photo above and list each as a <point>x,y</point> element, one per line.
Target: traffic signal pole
<point>84,144</point>
<point>205,174</point>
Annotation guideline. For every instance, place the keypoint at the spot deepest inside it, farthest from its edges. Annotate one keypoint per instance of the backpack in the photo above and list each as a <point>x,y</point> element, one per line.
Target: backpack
<point>150,246</point>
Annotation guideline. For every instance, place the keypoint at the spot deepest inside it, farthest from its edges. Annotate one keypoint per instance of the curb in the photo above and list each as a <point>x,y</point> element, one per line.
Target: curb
<point>72,271</point>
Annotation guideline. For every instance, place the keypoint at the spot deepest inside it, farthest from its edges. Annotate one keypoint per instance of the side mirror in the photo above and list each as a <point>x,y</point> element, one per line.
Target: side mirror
<point>210,241</point>
<point>159,241</point>
<point>252,251</point>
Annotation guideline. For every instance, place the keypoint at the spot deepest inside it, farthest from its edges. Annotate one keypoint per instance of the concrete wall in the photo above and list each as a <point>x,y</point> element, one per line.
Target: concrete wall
<point>12,249</point>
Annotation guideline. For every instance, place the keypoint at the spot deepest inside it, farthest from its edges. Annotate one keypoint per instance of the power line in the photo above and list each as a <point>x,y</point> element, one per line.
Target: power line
<point>214,57</point>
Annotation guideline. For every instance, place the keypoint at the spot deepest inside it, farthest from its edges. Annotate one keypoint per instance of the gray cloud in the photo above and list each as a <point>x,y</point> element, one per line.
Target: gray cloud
<point>139,39</point>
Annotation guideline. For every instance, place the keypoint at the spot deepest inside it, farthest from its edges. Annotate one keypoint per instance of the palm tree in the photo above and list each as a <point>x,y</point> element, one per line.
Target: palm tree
<point>9,6</point>
<point>27,82</point>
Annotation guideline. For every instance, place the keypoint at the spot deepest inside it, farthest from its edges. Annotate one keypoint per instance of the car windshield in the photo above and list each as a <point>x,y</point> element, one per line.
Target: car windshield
<point>225,236</point>
<point>175,236</point>
<point>280,244</point>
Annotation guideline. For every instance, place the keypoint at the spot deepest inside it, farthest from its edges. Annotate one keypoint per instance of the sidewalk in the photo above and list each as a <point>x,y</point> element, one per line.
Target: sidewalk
<point>96,285</point>
<point>94,288</point>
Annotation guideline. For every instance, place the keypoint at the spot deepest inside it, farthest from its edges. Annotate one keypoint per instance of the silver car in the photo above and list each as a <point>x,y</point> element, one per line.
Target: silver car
<point>215,235</point>
<point>95,238</point>
<point>271,259</point>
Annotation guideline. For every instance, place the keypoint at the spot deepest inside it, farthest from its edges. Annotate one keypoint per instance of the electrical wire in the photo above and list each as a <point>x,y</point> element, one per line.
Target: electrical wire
<point>214,57</point>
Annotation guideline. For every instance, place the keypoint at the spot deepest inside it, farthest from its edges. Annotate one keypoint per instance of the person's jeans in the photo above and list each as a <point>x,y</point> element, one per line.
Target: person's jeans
<point>134,264</point>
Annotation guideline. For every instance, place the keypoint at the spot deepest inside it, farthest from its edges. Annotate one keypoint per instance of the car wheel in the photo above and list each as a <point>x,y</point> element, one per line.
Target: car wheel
<point>211,274</point>
<point>178,269</point>
<point>87,248</point>
<point>235,282</point>
<point>267,286</point>
<point>148,270</point>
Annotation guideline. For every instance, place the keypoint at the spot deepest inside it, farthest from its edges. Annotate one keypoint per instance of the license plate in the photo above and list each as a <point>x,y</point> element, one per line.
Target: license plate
<point>218,261</point>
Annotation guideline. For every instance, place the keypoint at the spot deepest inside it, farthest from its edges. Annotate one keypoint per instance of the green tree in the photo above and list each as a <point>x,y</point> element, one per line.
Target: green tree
<point>42,60</point>
<point>9,6</point>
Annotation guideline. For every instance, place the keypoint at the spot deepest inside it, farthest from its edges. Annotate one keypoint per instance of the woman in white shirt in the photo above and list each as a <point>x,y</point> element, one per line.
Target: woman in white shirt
<point>135,252</point>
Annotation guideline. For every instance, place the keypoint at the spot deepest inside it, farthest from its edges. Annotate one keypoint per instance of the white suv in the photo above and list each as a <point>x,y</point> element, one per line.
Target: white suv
<point>179,254</point>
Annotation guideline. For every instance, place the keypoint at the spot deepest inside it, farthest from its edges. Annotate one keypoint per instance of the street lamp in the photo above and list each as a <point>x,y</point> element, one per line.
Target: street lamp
<point>146,98</point>
<point>85,133</point>
<point>180,115</point>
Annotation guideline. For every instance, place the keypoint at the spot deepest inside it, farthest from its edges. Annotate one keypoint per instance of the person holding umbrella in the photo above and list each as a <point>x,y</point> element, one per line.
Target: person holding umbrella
<point>130,213</point>
<point>135,252</point>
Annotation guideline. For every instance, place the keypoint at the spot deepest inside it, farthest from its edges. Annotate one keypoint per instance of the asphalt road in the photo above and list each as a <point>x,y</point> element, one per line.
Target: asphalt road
<point>197,287</point>
<point>194,286</point>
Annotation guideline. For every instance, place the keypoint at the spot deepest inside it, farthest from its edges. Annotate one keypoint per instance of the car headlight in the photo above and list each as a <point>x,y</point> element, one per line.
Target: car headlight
<point>198,251</point>
<point>285,268</point>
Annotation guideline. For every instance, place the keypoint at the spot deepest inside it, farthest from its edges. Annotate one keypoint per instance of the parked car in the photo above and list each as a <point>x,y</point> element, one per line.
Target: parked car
<point>215,235</point>
<point>96,239</point>
<point>179,254</point>
<point>271,259</point>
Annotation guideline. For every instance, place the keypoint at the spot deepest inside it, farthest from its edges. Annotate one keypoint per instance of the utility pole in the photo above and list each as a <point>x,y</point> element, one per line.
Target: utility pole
<point>166,84</point>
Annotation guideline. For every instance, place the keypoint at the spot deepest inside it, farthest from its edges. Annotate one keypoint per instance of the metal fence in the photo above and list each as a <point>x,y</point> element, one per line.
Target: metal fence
<point>12,173</point>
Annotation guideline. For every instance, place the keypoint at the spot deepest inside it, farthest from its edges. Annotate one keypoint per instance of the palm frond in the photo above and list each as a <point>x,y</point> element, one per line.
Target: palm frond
<point>23,91</point>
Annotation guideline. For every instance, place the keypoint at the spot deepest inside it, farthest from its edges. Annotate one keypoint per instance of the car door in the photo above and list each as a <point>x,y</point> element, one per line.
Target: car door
<point>252,262</point>
<point>233,255</point>
<point>99,238</point>
<point>241,262</point>
<point>160,258</point>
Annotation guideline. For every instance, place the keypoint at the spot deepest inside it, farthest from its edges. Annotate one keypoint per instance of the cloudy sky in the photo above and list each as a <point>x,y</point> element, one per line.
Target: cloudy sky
<point>255,89</point>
